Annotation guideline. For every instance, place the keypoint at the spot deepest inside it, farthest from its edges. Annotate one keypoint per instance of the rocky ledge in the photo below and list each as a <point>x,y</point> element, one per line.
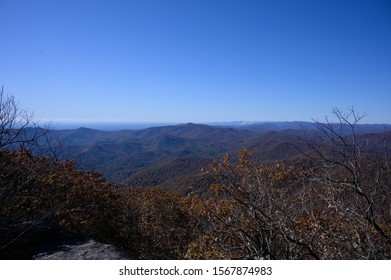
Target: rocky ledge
<point>45,240</point>
<point>85,250</point>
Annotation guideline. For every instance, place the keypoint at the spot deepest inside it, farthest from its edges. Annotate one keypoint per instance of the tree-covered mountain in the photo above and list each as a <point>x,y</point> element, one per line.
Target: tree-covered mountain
<point>158,156</point>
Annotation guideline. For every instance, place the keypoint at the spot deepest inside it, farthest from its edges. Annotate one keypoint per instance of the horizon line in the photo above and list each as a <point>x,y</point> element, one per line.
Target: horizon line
<point>132,125</point>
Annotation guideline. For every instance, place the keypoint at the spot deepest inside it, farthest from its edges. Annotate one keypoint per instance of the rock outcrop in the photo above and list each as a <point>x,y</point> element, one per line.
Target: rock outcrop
<point>82,250</point>
<point>45,240</point>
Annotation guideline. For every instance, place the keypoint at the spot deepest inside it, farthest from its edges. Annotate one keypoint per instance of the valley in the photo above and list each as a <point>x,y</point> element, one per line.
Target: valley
<point>174,155</point>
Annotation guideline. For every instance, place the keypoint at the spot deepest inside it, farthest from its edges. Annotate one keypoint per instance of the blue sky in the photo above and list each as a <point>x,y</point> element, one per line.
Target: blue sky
<point>197,61</point>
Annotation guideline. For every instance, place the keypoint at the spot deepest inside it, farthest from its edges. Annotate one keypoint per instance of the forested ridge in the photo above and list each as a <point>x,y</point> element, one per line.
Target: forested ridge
<point>166,156</point>
<point>323,193</point>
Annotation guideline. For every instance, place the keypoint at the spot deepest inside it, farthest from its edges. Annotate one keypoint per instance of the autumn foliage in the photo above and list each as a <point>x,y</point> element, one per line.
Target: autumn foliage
<point>253,211</point>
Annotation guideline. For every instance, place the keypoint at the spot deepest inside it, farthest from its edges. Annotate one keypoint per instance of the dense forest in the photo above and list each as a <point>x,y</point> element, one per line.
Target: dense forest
<point>172,156</point>
<point>317,193</point>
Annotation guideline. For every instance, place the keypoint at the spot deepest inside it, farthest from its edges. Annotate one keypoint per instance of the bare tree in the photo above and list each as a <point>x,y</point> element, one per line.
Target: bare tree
<point>17,126</point>
<point>351,176</point>
<point>18,129</point>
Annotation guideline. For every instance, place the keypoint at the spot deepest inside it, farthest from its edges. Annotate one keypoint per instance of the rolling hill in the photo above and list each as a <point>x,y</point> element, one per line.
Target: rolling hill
<point>174,155</point>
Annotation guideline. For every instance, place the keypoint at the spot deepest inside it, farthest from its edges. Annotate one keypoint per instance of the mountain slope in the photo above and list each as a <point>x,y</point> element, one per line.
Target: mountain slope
<point>176,153</point>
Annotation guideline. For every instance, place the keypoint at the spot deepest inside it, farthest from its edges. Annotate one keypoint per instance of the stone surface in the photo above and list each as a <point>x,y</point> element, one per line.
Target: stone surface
<point>45,240</point>
<point>83,250</point>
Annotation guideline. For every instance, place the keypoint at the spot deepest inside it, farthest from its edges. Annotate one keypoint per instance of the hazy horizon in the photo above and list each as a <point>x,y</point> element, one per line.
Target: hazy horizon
<point>116,126</point>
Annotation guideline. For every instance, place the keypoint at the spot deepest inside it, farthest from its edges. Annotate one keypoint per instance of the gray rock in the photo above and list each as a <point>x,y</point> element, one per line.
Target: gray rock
<point>89,250</point>
<point>45,240</point>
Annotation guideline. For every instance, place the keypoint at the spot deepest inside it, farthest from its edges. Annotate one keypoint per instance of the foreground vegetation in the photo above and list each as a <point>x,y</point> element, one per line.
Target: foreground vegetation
<point>252,212</point>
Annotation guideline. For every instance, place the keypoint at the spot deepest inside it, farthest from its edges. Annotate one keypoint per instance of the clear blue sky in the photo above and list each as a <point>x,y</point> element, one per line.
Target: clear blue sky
<point>197,61</point>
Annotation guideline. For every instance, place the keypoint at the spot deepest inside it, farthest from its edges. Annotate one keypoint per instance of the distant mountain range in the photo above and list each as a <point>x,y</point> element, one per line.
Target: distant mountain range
<point>260,126</point>
<point>174,155</point>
